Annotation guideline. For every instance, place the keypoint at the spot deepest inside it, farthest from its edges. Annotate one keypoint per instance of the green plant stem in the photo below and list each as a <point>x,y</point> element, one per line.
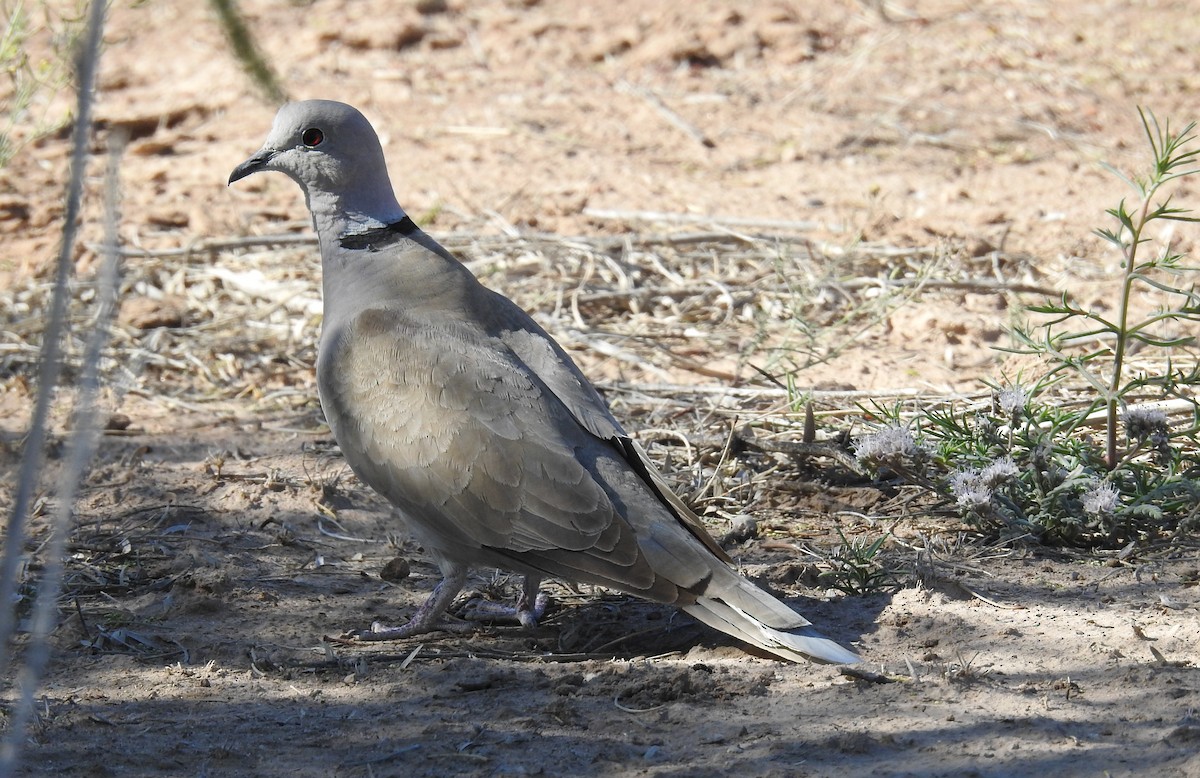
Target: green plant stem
<point>247,51</point>
<point>1122,330</point>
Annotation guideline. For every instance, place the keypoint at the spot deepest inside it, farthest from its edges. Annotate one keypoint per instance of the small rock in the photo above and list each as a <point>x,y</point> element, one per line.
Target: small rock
<point>446,40</point>
<point>171,218</point>
<point>397,569</point>
<point>117,422</point>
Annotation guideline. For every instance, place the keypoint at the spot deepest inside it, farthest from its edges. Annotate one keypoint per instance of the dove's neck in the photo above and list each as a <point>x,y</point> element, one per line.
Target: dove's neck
<point>357,210</point>
<point>377,256</point>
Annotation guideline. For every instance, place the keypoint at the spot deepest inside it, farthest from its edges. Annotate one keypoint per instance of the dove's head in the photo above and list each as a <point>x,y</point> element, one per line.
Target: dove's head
<point>333,153</point>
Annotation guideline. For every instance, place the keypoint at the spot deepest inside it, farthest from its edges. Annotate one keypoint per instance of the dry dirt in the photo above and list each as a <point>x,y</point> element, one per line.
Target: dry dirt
<point>950,146</point>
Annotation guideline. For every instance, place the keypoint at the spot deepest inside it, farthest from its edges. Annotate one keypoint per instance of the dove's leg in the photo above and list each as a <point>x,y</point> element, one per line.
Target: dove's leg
<point>430,617</point>
<point>529,608</point>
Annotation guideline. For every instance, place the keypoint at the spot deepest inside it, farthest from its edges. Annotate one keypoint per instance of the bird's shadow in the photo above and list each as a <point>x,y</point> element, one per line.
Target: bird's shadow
<point>616,626</point>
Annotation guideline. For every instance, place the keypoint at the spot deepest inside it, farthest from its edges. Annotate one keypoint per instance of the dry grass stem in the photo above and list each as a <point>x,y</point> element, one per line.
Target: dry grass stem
<point>45,609</point>
<point>671,115</point>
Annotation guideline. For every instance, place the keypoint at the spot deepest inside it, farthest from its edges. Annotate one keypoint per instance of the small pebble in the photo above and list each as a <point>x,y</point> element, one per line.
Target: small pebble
<point>397,569</point>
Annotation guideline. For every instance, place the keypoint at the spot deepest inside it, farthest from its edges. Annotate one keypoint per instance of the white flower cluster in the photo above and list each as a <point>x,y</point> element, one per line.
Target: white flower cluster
<point>1101,499</point>
<point>889,446</point>
<point>1012,401</point>
<point>974,487</point>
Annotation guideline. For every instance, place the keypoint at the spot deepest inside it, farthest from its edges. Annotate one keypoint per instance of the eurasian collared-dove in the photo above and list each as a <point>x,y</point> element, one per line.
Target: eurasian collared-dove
<point>453,403</point>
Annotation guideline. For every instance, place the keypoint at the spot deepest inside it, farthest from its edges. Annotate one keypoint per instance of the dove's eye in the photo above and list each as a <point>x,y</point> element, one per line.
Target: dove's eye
<point>312,137</point>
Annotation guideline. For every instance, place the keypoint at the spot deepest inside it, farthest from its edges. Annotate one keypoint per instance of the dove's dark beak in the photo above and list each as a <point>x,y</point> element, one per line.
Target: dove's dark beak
<point>253,165</point>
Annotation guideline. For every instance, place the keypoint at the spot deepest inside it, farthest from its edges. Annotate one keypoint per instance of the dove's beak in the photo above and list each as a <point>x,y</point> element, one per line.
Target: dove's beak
<point>253,165</point>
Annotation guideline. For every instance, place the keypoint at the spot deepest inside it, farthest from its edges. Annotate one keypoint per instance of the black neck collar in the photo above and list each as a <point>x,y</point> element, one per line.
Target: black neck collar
<point>374,240</point>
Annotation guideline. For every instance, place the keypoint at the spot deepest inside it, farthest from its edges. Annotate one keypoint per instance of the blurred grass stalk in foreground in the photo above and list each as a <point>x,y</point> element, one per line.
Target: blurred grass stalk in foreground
<point>85,429</point>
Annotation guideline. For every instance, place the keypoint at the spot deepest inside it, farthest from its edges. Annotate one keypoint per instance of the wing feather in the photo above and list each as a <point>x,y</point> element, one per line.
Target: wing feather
<point>498,461</point>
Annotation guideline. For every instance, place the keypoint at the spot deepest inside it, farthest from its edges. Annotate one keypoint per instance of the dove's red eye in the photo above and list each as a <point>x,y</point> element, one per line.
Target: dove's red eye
<point>312,137</point>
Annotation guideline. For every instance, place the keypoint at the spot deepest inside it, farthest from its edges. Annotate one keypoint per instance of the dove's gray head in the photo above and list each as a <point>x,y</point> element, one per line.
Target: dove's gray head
<point>333,153</point>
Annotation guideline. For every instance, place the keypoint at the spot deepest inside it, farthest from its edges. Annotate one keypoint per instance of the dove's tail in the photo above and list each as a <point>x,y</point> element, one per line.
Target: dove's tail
<point>742,610</point>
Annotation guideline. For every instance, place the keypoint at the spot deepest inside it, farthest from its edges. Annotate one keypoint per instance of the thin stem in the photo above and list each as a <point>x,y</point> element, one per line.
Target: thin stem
<point>50,365</point>
<point>33,453</point>
<point>1122,330</point>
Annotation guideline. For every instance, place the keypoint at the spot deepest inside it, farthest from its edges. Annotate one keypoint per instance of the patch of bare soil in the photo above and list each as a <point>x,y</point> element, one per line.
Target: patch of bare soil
<point>688,197</point>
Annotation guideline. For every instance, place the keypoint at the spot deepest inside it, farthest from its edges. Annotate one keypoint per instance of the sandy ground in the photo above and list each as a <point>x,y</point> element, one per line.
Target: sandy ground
<point>951,146</point>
